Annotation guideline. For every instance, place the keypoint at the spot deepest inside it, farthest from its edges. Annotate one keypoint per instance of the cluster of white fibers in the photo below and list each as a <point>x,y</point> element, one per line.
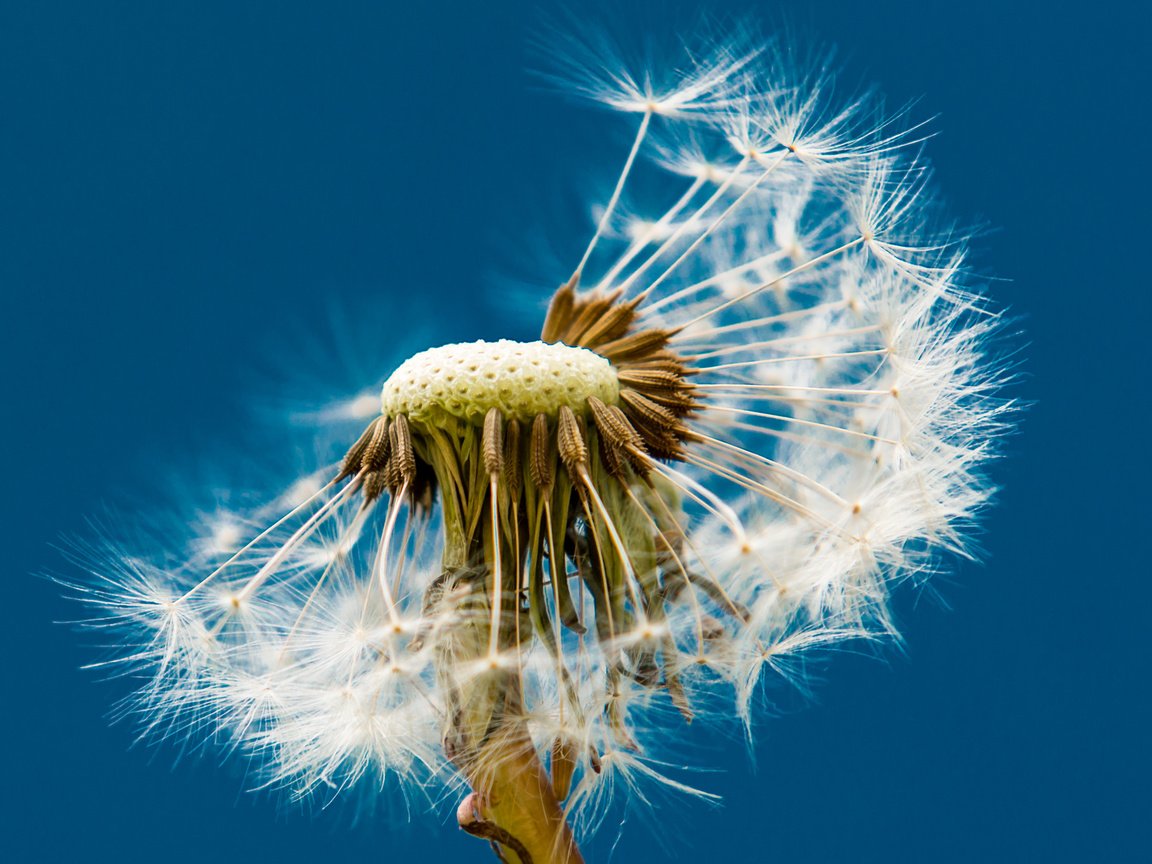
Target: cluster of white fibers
<point>843,407</point>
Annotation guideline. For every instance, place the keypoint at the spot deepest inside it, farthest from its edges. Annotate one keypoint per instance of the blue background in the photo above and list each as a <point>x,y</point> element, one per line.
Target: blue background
<point>185,186</point>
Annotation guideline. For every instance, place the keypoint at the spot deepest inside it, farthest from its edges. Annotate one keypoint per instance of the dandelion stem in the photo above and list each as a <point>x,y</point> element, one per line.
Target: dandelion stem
<point>515,808</point>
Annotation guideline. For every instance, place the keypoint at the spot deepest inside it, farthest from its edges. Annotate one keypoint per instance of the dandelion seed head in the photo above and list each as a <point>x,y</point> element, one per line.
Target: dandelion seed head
<point>520,379</point>
<point>763,399</point>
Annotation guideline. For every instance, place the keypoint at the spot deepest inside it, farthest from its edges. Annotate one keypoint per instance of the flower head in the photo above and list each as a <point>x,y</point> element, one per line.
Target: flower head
<point>749,414</point>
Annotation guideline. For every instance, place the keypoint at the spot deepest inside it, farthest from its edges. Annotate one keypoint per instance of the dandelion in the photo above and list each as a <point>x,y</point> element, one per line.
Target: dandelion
<point>754,407</point>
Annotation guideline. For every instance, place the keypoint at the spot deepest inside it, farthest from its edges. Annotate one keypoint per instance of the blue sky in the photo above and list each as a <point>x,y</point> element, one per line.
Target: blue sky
<point>186,187</point>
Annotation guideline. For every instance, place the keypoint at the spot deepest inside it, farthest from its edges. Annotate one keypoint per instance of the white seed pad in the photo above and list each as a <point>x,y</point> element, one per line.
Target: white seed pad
<point>522,379</point>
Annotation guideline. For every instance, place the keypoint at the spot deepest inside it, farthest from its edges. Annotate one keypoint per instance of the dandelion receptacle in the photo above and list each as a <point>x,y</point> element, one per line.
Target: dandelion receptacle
<point>763,398</point>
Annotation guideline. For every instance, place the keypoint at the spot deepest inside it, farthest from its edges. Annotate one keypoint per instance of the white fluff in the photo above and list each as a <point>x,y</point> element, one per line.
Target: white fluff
<point>850,409</point>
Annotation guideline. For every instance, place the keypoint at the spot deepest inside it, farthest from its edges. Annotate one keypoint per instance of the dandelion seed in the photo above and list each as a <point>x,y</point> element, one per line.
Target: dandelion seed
<point>749,414</point>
